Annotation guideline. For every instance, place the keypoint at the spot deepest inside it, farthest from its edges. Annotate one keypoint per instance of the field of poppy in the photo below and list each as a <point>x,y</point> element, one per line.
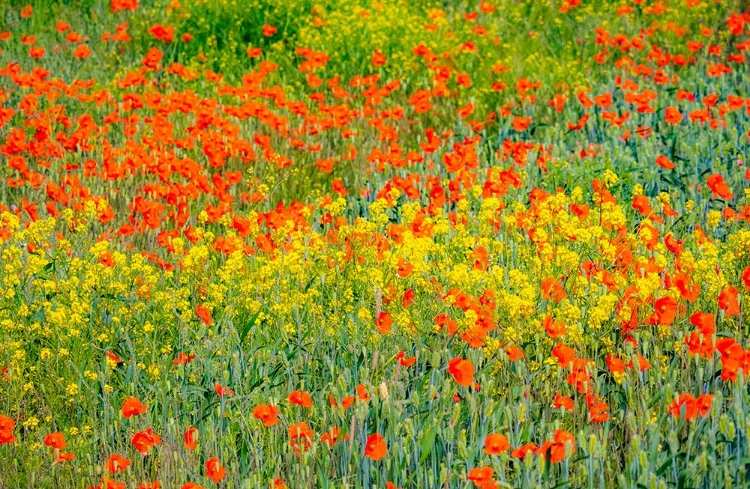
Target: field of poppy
<point>362,243</point>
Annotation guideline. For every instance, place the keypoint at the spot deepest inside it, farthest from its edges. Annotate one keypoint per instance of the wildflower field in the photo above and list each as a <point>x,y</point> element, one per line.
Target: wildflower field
<point>377,244</point>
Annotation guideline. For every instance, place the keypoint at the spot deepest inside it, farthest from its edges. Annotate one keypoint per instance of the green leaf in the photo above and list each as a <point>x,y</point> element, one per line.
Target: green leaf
<point>428,441</point>
<point>250,324</point>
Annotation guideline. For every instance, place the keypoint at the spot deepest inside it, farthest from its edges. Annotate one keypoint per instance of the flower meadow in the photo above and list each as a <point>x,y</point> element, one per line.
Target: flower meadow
<point>360,243</point>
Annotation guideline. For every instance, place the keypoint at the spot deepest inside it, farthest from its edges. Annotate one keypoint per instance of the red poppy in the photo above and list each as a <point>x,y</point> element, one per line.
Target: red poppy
<point>564,355</point>
<point>376,447</point>
<point>481,476</point>
<point>117,5</point>
<point>6,430</point>
<point>269,30</point>
<point>300,398</point>
<point>559,448</point>
<point>672,115</point>
<point>117,463</point>
<point>162,33</point>
<point>462,370</point>
<point>553,289</point>
<point>64,457</point>
<point>378,59</point>
<point>300,437</point>
<point>404,360</point>
<point>706,323</point>
<point>204,314</point>
<point>664,162</point>
<point>563,402</point>
<point>665,311</point>
<point>692,407</point>
<point>82,52</point>
<point>718,186</point>
<point>331,437</point>
<point>55,440</point>
<point>144,440</point>
<point>521,123</point>
<point>555,329</point>
<point>191,437</point>
<point>267,413</point>
<point>495,444</point>
<point>183,358</point>
<point>514,353</point>
<point>214,470</point>
<point>362,393</point>
<point>524,450</point>
<point>728,301</point>
<point>383,322</point>
<point>614,364</point>
<point>133,407</point>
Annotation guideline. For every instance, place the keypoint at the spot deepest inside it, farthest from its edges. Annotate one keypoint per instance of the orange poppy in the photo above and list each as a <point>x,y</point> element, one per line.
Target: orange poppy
<point>514,353</point>
<point>404,268</point>
<point>553,289</point>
